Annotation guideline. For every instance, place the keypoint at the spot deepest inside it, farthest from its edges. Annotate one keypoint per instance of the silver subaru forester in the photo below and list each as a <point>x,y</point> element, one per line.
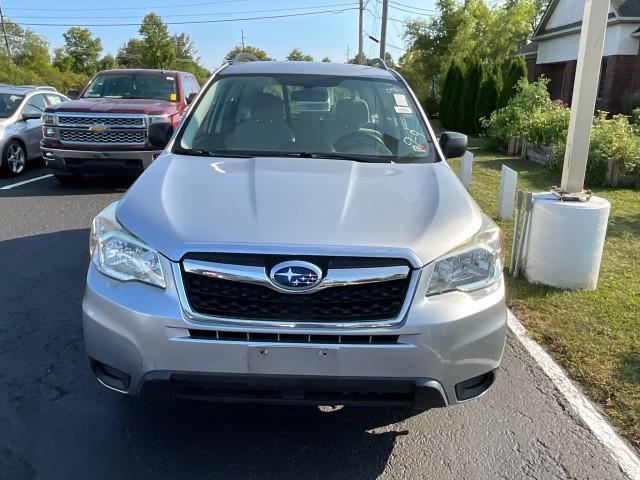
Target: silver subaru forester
<point>301,240</point>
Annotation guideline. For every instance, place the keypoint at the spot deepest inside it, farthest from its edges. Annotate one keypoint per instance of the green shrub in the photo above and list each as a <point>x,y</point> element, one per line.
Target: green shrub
<point>487,100</point>
<point>467,109</point>
<point>445,97</point>
<point>549,126</point>
<point>516,73</point>
<point>431,106</point>
<point>450,116</point>
<point>514,120</point>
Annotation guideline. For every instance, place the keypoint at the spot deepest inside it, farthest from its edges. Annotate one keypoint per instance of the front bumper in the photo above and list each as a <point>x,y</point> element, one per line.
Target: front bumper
<point>444,341</point>
<point>131,162</point>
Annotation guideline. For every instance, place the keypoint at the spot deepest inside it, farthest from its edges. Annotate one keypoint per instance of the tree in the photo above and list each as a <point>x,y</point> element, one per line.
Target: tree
<point>488,95</point>
<point>359,59</point>
<point>445,97</point>
<point>326,60</point>
<point>467,109</point>
<point>452,115</point>
<point>486,30</point>
<point>517,70</point>
<point>187,58</point>
<point>158,48</point>
<point>108,62</point>
<point>80,52</point>
<point>256,52</point>
<point>130,54</point>
<point>296,55</point>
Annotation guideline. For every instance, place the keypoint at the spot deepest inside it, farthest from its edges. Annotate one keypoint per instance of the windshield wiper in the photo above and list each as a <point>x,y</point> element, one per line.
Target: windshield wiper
<point>211,153</point>
<point>342,156</point>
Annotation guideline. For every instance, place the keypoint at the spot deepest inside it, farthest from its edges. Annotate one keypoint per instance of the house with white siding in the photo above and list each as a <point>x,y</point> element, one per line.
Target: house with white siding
<point>553,52</point>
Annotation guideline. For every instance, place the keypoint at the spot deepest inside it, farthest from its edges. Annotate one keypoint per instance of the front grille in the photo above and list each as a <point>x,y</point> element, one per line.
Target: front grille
<point>253,337</point>
<point>132,122</point>
<point>84,136</point>
<point>350,303</point>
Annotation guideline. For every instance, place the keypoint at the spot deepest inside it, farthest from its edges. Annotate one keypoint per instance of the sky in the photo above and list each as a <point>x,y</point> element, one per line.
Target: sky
<point>320,35</point>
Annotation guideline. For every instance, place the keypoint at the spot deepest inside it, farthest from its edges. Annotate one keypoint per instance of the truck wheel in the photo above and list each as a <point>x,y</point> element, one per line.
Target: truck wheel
<point>14,158</point>
<point>68,180</point>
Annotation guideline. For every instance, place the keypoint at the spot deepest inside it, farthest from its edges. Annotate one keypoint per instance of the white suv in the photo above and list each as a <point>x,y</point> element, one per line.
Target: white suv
<point>277,254</point>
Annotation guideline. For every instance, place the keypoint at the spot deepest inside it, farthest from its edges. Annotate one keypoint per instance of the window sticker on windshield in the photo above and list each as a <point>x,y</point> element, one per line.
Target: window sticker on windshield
<point>401,100</point>
<point>173,97</point>
<point>400,109</point>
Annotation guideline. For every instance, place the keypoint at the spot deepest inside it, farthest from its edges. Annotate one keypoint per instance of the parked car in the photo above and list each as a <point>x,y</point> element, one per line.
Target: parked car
<point>21,109</point>
<point>105,130</point>
<point>319,257</point>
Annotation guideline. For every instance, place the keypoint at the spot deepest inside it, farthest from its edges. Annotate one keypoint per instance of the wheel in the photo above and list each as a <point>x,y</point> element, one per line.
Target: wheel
<point>14,158</point>
<point>67,180</point>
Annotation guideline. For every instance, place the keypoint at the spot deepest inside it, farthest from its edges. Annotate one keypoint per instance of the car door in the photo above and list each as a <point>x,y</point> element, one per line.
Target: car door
<point>32,131</point>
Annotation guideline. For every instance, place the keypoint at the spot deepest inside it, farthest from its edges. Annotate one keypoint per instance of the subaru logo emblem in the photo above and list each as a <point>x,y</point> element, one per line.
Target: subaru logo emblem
<point>295,276</point>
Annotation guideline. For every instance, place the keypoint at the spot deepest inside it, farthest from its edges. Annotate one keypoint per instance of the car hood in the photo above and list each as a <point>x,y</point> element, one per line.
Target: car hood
<point>308,206</point>
<point>116,105</point>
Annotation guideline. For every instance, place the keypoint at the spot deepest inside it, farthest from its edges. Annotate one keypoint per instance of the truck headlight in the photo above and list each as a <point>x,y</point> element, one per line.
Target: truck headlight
<point>49,118</point>
<point>118,254</point>
<point>473,265</point>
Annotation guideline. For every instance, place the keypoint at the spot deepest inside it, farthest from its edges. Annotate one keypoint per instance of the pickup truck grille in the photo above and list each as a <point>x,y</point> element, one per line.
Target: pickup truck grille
<point>134,122</point>
<point>211,296</point>
<point>84,136</point>
<point>102,129</point>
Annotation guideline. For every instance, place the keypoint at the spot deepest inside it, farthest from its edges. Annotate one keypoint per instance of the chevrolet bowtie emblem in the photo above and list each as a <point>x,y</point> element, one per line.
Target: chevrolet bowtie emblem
<point>98,128</point>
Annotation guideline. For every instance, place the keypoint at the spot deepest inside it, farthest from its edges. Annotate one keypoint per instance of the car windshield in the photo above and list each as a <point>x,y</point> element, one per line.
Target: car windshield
<point>308,116</point>
<point>133,85</point>
<point>9,103</point>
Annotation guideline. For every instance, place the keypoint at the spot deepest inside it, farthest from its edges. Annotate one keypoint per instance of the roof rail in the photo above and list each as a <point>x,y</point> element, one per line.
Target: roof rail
<point>377,62</point>
<point>244,57</point>
<point>48,88</point>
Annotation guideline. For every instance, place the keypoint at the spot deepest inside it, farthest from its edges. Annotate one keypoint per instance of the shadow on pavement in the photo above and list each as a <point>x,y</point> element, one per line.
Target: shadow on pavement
<point>57,422</point>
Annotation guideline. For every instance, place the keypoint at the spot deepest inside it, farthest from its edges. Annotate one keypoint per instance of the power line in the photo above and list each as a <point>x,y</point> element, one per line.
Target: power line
<point>189,22</point>
<point>392,2</point>
<point>148,7</point>
<point>191,14</point>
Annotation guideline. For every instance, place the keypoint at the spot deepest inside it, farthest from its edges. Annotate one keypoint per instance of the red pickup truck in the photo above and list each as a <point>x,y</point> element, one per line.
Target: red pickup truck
<point>106,129</point>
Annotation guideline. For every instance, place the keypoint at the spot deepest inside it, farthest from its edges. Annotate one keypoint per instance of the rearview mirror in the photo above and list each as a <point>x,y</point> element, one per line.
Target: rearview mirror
<point>453,144</point>
<point>31,115</point>
<point>160,134</point>
<point>73,93</point>
<point>191,97</point>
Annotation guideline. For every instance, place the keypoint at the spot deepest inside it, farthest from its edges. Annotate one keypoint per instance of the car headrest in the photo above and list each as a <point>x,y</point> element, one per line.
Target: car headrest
<point>352,112</point>
<point>267,107</point>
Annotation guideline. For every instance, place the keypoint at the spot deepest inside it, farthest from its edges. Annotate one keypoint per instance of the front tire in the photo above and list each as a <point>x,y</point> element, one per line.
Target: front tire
<point>14,158</point>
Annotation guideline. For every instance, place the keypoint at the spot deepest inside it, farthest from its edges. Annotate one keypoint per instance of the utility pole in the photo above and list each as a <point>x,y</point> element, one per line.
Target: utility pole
<point>6,38</point>
<point>348,58</point>
<point>585,92</point>
<point>360,32</point>
<point>242,37</point>
<point>383,29</point>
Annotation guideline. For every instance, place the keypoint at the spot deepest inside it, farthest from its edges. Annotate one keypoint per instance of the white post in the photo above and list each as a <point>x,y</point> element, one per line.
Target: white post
<point>594,26</point>
<point>466,167</point>
<point>507,195</point>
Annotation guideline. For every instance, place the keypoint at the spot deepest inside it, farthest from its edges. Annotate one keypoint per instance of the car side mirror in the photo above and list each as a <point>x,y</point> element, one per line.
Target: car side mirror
<point>73,93</point>
<point>191,97</point>
<point>31,115</point>
<point>453,144</point>
<point>160,134</point>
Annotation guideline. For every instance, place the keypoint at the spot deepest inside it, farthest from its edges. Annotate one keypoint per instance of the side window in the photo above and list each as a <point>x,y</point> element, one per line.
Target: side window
<point>186,86</point>
<point>35,104</point>
<point>53,99</point>
<point>194,84</point>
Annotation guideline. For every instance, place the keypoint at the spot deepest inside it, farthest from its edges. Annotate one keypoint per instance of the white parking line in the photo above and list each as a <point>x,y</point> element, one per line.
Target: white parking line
<point>24,182</point>
<point>627,460</point>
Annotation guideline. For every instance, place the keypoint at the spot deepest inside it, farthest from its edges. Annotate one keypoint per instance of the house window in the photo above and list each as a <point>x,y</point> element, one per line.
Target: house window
<point>603,77</point>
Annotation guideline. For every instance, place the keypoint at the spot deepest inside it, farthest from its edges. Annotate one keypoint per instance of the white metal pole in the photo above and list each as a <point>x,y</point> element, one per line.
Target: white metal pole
<point>383,29</point>
<point>594,26</point>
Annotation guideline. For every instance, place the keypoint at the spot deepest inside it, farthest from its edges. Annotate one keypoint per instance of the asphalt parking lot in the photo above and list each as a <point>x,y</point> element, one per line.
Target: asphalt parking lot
<point>57,422</point>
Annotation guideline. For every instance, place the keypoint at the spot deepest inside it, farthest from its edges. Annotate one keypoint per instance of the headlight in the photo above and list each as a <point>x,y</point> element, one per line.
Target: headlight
<point>49,118</point>
<point>474,265</point>
<point>159,119</point>
<point>49,132</point>
<point>120,255</point>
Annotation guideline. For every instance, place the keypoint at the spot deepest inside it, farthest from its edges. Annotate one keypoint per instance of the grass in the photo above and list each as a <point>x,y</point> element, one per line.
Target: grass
<point>594,335</point>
